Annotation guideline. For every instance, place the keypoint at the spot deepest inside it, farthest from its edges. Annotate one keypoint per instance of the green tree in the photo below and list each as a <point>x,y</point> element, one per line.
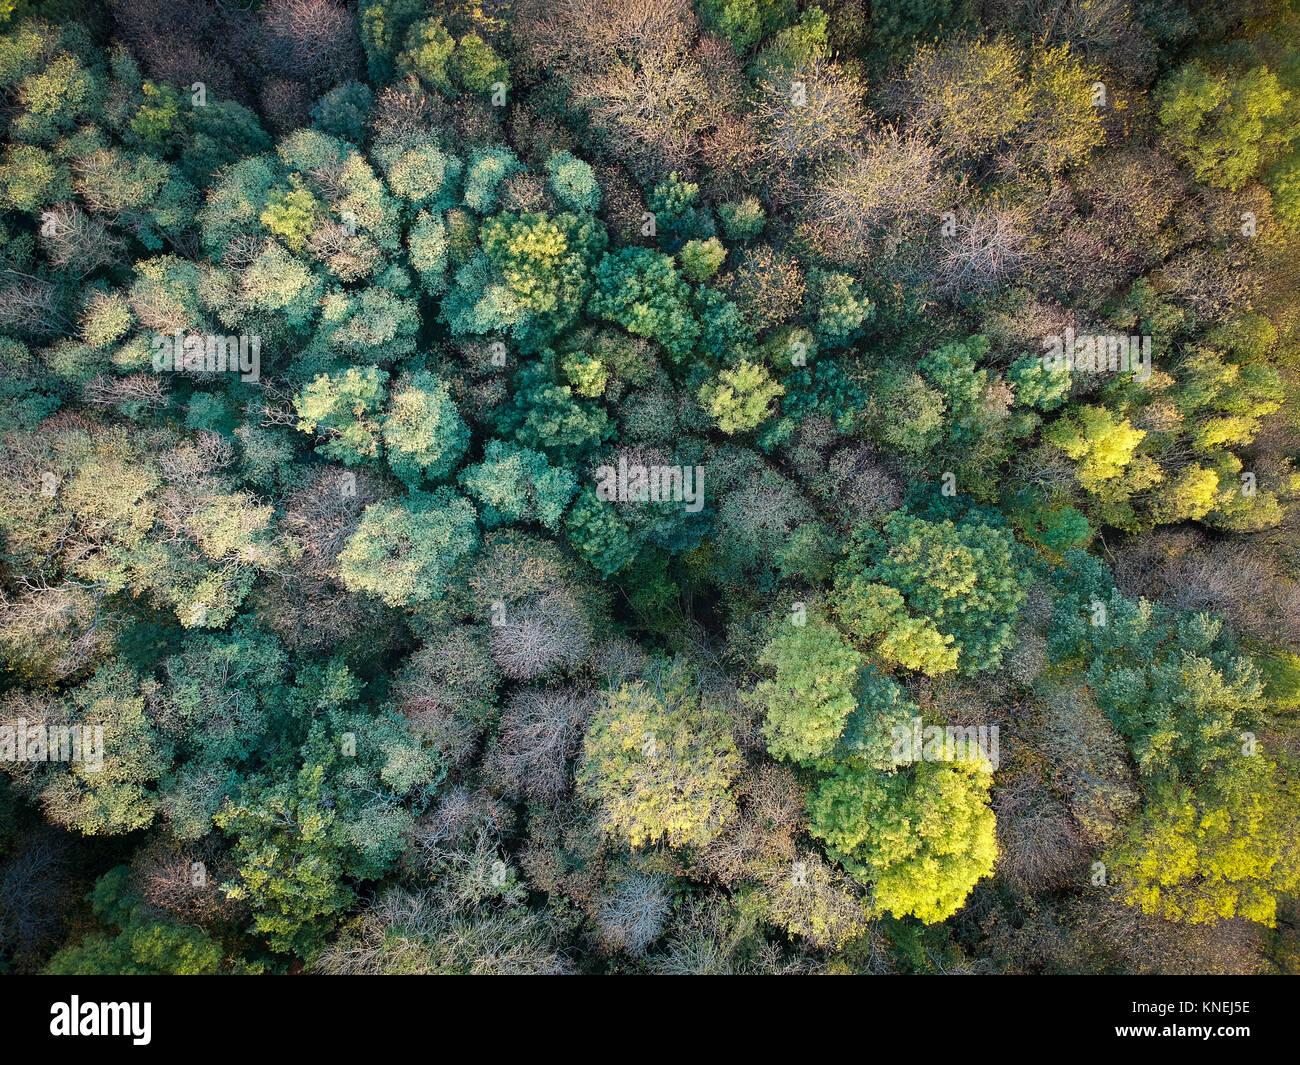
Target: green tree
<point>642,291</point>
<point>917,579</point>
<point>477,65</point>
<point>742,220</point>
<point>573,182</point>
<point>922,839</point>
<point>402,552</point>
<point>598,534</point>
<point>514,484</point>
<point>658,760</point>
<point>546,416</point>
<point>344,408</point>
<point>532,279</point>
<point>1222,850</point>
<point>423,432</point>
<point>114,791</point>
<point>1038,386</point>
<point>484,175</point>
<point>1228,126</point>
<point>807,703</point>
<point>1102,443</point>
<point>908,414</point>
<point>740,398</point>
<point>287,850</point>
<point>292,214</point>
<point>837,308</point>
<point>745,22</point>
<point>147,942</point>
<point>700,259</point>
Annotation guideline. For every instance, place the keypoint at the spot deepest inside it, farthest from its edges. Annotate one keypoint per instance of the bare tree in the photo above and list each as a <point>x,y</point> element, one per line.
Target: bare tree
<point>806,118</point>
<point>74,241</point>
<point>538,733</point>
<point>539,636</point>
<point>447,691</point>
<point>325,513</point>
<point>31,305</point>
<point>1040,848</point>
<point>989,247</point>
<point>34,885</point>
<point>889,191</point>
<point>145,390</point>
<point>569,35</point>
<point>633,915</point>
<point>63,624</point>
<point>313,41</point>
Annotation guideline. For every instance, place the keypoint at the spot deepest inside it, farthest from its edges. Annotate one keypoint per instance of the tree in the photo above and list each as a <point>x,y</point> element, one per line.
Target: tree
<point>147,943</point>
<point>745,22</point>
<point>446,691</point>
<point>545,415</point>
<point>807,117</point>
<point>1064,124</point>
<point>30,178</point>
<point>287,846</point>
<point>642,291</point>
<point>806,705</point>
<point>423,432</point>
<point>428,53</point>
<point>876,198</point>
<point>573,182</point>
<point>1037,385</point>
<point>740,398</point>
<point>922,839</point>
<point>403,552</point>
<point>742,220</point>
<point>514,484</point>
<point>1221,851</point>
<point>111,793</point>
<point>766,531</point>
<point>700,259</point>
<point>539,270</point>
<point>540,731</point>
<point>939,595</point>
<point>896,22</point>
<point>767,285</point>
<point>837,308</point>
<point>478,67</point>
<point>484,175</point>
<point>1102,443</point>
<point>908,415</point>
<point>658,760</point>
<point>342,112</point>
<point>292,214</point>
<point>598,534</point>
<point>344,409</point>
<point>953,369</point>
<point>384,26</point>
<point>1226,127</point>
<point>310,40</point>
<point>969,96</point>
<point>870,736</point>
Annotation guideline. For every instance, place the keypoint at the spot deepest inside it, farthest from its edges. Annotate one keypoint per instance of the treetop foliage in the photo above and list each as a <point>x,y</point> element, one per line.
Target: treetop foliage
<point>660,487</point>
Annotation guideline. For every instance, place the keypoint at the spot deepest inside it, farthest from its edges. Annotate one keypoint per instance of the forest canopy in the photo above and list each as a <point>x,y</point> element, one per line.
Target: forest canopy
<point>649,486</point>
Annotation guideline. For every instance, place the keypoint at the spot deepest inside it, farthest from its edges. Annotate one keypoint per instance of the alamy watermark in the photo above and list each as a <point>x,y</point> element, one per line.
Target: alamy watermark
<point>1092,353</point>
<point>208,353</point>
<point>636,483</point>
<point>78,1018</point>
<point>946,743</point>
<point>21,742</point>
